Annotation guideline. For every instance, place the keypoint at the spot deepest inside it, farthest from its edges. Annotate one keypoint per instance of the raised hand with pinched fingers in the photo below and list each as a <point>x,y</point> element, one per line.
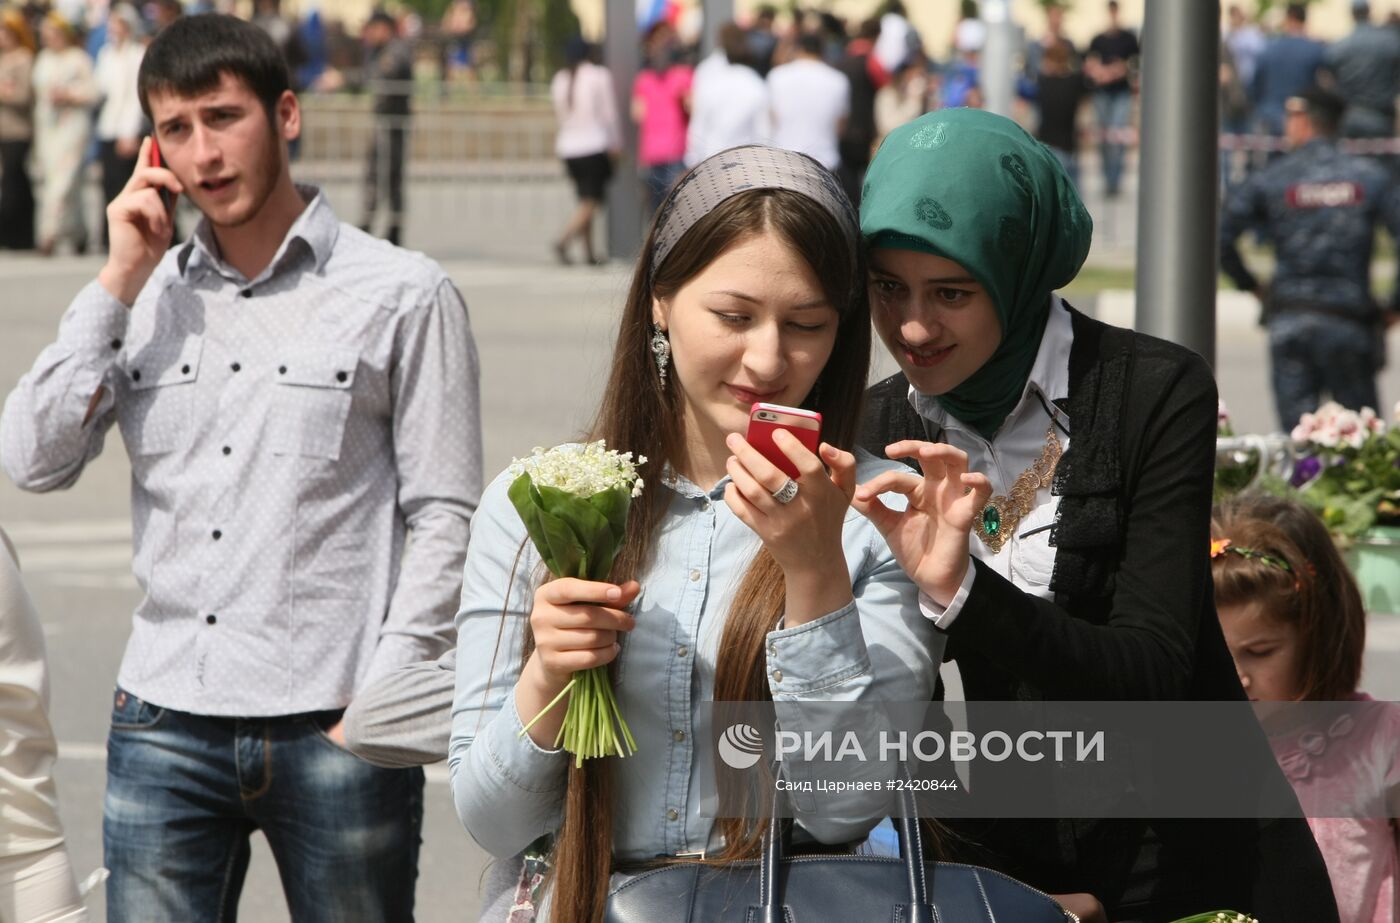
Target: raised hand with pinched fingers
<point>929,536</point>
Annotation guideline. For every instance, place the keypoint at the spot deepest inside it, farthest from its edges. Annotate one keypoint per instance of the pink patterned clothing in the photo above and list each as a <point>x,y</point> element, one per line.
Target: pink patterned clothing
<point>661,135</point>
<point>1350,767</point>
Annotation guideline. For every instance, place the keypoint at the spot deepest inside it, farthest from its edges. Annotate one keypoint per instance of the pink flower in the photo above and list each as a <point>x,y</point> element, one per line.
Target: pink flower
<point>1307,425</point>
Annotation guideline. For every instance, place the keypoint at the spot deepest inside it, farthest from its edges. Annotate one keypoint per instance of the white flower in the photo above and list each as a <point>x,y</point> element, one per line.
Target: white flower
<point>1328,436</point>
<point>582,469</point>
<point>1307,425</point>
<point>1371,421</point>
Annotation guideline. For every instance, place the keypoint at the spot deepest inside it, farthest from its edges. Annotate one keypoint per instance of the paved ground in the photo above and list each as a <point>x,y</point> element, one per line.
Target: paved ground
<point>544,333</point>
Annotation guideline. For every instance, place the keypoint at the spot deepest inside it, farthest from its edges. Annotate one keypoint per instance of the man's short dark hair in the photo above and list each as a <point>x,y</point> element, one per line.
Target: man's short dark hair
<point>1323,107</point>
<point>1298,12</point>
<point>191,55</point>
<point>810,43</point>
<point>734,42</point>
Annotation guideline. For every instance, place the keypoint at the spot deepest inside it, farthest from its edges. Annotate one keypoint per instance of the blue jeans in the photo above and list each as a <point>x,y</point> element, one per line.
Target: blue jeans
<point>184,792</point>
<point>1114,110</point>
<point>1317,354</point>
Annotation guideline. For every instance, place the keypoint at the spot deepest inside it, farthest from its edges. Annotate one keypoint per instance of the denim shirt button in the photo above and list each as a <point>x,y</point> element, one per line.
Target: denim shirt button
<point>777,676</point>
<point>694,576</point>
<point>673,814</point>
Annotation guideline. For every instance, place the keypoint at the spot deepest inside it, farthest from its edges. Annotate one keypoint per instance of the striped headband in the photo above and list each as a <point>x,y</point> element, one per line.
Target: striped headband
<point>740,169</point>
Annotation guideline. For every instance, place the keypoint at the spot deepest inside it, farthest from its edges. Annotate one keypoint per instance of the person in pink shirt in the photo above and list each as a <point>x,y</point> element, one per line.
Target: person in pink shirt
<point>1295,625</point>
<point>661,109</point>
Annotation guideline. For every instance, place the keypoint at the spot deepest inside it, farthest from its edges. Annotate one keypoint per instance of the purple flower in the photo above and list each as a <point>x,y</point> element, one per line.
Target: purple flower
<point>1306,469</point>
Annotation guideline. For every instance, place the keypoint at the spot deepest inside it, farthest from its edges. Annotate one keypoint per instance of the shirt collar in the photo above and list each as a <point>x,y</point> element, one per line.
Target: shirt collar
<point>1049,374</point>
<point>315,229</point>
<point>687,488</point>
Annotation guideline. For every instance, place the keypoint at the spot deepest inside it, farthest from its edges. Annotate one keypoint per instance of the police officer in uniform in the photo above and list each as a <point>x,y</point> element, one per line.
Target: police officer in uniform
<point>1319,207</point>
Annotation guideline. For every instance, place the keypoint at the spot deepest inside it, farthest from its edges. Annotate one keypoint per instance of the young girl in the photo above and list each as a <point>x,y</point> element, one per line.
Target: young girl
<point>1295,626</point>
<point>729,588</point>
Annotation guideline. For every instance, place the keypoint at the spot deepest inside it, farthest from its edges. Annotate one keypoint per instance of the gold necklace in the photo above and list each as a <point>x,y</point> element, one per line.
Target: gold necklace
<point>1002,513</point>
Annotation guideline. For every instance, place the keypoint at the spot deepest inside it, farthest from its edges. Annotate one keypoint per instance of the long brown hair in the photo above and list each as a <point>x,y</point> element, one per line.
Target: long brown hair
<point>1317,593</point>
<point>642,416</point>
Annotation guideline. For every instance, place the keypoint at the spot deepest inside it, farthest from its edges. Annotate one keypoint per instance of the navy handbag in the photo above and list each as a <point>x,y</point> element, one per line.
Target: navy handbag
<point>831,889</point>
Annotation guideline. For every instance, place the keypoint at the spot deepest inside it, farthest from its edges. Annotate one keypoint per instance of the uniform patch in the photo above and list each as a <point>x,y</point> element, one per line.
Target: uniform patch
<point>1341,194</point>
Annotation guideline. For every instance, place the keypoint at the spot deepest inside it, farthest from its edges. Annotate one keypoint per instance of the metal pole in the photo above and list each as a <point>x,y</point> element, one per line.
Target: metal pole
<point>1178,192</point>
<point>716,13</point>
<point>997,71</point>
<point>622,55</point>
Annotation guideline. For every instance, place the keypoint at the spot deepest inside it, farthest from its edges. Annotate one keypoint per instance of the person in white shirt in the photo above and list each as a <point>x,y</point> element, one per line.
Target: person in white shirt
<point>120,122</point>
<point>589,139</point>
<point>809,100</point>
<point>36,879</point>
<point>728,100</point>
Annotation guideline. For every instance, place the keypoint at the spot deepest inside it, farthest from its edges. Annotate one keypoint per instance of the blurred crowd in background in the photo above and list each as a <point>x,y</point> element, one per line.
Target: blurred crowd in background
<point>799,78</point>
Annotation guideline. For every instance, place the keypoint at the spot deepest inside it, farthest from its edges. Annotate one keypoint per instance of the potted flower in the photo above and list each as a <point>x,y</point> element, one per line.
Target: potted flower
<point>1348,470</point>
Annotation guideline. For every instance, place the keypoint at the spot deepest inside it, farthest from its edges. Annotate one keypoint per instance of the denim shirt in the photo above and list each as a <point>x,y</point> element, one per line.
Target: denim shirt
<point>508,790</point>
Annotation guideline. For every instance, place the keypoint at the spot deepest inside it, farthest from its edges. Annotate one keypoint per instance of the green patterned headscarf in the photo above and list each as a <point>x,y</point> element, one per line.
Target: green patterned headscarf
<point>976,189</point>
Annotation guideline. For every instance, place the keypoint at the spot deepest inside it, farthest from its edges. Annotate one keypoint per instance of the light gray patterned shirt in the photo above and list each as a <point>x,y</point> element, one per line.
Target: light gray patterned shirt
<point>305,456</point>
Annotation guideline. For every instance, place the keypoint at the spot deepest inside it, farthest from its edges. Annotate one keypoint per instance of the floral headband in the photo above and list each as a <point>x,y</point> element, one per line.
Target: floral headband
<point>1222,546</point>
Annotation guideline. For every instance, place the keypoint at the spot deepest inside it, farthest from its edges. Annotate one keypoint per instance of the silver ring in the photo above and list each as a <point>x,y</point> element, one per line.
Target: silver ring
<point>785,493</point>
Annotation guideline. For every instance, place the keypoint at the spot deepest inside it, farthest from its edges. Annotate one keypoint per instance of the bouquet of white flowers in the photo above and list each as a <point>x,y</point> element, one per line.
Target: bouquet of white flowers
<point>574,500</point>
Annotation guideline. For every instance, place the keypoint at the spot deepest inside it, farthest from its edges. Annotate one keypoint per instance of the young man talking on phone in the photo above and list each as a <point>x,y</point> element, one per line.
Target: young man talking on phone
<point>299,403</point>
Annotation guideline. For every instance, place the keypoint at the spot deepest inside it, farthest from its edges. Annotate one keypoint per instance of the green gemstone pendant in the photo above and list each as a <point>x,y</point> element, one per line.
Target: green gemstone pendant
<point>991,520</point>
<point>993,525</point>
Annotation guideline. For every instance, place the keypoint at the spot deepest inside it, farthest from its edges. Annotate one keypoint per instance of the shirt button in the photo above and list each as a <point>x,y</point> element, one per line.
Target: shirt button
<point>678,736</point>
<point>772,650</point>
<point>694,576</point>
<point>281,370</point>
<point>218,535</point>
<point>341,376</point>
<point>673,814</point>
<point>228,450</point>
<point>184,370</point>
<point>236,367</point>
<point>777,676</point>
<point>247,293</point>
<point>116,344</point>
<point>705,506</point>
<point>682,651</point>
<point>211,619</point>
<point>135,374</point>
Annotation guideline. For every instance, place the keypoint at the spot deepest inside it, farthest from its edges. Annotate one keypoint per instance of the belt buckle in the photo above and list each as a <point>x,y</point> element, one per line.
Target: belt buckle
<point>698,854</point>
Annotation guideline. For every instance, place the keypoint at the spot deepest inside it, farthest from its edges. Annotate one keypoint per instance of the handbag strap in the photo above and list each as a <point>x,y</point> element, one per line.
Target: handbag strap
<point>911,852</point>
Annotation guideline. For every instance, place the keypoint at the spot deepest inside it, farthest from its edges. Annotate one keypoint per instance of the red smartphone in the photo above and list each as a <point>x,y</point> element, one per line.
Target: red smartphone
<point>166,198</point>
<point>765,419</point>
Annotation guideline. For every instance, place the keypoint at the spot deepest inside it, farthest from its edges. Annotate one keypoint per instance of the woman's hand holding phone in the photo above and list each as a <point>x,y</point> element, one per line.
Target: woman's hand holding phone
<point>804,534</point>
<point>140,226</point>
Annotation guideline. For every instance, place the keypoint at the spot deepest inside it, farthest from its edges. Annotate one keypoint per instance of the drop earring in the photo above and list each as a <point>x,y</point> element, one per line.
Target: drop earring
<point>661,350</point>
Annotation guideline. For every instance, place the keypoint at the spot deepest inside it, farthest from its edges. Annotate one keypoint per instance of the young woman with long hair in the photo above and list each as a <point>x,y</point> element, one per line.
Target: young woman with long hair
<point>752,283</point>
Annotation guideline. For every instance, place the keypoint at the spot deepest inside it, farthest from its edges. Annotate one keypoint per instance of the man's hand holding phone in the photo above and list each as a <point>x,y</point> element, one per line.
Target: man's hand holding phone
<point>804,533</point>
<point>140,222</point>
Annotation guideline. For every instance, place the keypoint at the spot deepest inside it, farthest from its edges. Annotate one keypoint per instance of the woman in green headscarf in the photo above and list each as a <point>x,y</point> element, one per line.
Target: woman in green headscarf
<point>1059,530</point>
